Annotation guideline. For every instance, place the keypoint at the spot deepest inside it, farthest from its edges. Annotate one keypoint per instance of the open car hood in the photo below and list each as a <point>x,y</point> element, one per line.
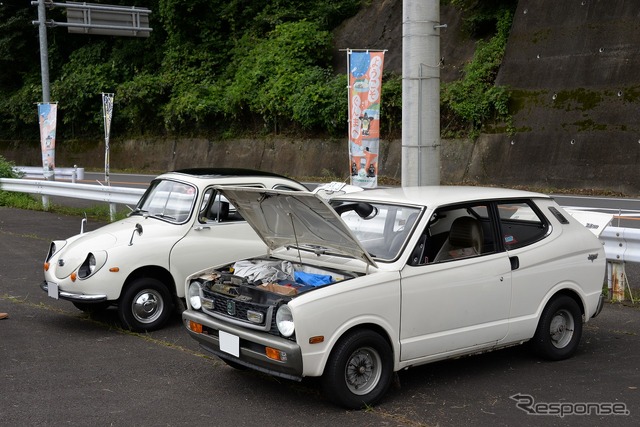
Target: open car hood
<point>295,218</point>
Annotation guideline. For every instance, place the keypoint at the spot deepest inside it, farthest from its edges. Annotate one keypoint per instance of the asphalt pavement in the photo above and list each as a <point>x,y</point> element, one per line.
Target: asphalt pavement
<point>59,366</point>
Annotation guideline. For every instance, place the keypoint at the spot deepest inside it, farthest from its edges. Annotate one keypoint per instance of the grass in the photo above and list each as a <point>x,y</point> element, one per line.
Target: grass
<point>26,201</point>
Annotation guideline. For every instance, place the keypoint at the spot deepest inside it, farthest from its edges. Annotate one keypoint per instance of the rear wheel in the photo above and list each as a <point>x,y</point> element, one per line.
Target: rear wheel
<point>145,305</point>
<point>359,370</point>
<point>559,329</point>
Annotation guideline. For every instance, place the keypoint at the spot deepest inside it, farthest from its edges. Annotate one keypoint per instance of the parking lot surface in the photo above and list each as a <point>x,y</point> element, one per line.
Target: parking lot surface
<point>59,366</point>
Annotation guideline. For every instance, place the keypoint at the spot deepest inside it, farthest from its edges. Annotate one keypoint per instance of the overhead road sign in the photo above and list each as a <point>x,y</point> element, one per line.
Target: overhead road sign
<point>108,20</point>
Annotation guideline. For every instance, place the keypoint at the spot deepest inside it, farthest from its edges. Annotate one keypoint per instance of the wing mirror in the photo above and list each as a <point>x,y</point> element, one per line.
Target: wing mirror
<point>137,229</point>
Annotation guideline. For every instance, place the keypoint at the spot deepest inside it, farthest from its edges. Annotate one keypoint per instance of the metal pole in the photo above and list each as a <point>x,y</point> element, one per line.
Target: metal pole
<point>421,92</point>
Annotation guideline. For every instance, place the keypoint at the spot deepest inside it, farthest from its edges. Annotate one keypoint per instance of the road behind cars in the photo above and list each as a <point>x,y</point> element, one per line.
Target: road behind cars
<point>59,366</point>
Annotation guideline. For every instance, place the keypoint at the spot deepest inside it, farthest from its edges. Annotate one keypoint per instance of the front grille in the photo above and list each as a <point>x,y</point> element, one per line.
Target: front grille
<point>222,308</point>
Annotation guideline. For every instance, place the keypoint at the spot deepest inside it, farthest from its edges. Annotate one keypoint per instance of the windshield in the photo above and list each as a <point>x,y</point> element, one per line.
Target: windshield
<point>169,200</point>
<point>381,229</point>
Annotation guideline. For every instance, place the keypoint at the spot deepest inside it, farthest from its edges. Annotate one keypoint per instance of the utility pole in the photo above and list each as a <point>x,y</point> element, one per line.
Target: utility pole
<point>44,52</point>
<point>421,92</point>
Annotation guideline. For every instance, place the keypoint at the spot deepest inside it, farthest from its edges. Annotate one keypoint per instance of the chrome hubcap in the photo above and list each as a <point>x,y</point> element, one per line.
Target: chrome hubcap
<point>147,306</point>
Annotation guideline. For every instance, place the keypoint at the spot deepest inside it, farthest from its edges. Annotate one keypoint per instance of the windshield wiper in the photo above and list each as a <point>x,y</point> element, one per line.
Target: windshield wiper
<point>162,215</point>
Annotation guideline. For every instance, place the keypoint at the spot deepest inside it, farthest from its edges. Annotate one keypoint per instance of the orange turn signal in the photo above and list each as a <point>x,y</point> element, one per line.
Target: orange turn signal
<point>114,269</point>
<point>74,276</point>
<point>316,340</point>
<point>273,353</point>
<point>195,327</point>
<point>46,266</point>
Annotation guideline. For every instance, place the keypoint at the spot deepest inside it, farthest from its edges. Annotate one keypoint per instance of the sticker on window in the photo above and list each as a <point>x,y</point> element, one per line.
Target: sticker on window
<point>509,239</point>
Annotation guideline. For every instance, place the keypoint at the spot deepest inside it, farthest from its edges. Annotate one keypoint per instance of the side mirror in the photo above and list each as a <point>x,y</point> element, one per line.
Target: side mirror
<point>137,229</point>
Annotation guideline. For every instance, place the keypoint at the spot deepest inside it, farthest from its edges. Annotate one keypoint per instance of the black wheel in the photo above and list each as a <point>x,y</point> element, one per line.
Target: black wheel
<point>559,330</point>
<point>145,305</point>
<point>359,370</point>
<point>92,307</point>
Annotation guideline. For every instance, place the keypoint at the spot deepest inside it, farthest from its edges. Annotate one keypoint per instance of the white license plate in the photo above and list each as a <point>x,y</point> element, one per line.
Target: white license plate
<point>229,343</point>
<point>52,290</point>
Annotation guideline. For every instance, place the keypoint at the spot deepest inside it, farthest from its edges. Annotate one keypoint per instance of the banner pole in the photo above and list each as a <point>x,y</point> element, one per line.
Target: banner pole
<point>107,111</point>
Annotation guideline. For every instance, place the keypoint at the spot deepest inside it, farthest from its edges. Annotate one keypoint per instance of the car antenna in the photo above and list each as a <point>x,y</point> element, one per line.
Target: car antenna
<point>295,235</point>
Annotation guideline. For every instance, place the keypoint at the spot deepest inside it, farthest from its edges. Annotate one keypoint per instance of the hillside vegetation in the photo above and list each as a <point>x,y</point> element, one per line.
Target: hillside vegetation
<point>225,69</point>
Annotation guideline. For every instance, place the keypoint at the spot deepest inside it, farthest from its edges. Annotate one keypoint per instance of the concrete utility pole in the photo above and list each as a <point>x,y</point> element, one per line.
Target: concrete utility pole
<point>421,92</point>
<point>44,52</point>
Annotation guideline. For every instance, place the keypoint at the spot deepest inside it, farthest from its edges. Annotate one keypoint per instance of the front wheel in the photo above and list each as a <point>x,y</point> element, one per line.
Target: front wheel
<point>145,305</point>
<point>559,329</point>
<point>359,370</point>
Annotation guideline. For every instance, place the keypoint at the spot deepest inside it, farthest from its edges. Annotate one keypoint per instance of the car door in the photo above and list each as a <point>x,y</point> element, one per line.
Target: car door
<point>459,301</point>
<point>218,235</point>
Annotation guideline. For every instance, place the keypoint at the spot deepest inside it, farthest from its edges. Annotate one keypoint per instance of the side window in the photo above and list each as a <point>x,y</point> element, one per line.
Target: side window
<point>216,208</point>
<point>520,224</point>
<point>455,232</point>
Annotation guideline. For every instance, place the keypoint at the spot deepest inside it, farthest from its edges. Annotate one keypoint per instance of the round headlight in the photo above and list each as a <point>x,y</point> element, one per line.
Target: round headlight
<point>88,267</point>
<point>284,320</point>
<point>194,296</point>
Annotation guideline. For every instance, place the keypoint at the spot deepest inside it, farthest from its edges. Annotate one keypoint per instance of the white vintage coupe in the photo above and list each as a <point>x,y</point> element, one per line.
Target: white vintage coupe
<point>181,224</point>
<point>384,280</point>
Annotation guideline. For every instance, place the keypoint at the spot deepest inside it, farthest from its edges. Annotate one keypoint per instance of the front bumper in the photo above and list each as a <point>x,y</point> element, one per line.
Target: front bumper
<point>57,293</point>
<point>252,346</point>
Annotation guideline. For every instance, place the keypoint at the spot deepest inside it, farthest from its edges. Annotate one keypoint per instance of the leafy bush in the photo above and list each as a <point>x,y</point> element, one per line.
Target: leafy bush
<point>468,104</point>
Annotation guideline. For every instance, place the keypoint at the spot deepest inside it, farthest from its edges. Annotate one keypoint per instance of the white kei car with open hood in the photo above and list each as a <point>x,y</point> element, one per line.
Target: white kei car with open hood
<point>388,279</point>
<point>181,224</point>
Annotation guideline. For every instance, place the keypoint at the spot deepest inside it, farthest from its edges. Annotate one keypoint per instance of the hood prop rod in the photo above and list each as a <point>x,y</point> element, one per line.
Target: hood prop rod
<point>295,235</point>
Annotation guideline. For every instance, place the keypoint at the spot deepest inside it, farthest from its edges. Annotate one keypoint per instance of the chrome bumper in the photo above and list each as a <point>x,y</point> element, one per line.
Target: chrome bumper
<point>252,346</point>
<point>74,297</point>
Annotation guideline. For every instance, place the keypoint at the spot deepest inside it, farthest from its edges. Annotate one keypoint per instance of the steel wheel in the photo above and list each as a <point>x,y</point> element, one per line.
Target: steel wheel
<point>562,327</point>
<point>359,370</point>
<point>559,329</point>
<point>363,371</point>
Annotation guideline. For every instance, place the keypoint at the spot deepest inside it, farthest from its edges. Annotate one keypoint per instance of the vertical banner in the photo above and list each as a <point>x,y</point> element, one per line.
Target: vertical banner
<point>47,116</point>
<point>365,89</point>
<point>107,112</point>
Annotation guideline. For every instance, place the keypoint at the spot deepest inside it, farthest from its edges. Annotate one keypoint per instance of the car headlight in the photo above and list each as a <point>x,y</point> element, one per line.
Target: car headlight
<point>92,263</point>
<point>194,295</point>
<point>54,247</point>
<point>88,267</point>
<point>284,321</point>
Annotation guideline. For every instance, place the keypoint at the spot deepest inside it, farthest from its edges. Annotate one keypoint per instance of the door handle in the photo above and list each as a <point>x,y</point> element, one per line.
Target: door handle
<point>515,262</point>
<point>206,227</point>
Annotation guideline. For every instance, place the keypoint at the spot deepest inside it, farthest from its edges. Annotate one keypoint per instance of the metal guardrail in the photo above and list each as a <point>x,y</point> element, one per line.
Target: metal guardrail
<point>621,245</point>
<point>73,174</point>
<point>98,193</point>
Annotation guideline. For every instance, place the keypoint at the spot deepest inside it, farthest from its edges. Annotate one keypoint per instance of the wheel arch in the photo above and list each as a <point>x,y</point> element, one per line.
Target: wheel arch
<point>155,272</point>
<point>380,330</point>
<point>568,291</point>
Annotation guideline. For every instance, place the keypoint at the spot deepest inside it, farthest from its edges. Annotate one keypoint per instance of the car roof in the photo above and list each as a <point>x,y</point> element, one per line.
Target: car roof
<point>225,172</point>
<point>230,175</point>
<point>439,194</point>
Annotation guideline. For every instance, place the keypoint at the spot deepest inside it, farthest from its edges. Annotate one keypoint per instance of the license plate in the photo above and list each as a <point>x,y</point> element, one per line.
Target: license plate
<point>229,343</point>
<point>52,290</point>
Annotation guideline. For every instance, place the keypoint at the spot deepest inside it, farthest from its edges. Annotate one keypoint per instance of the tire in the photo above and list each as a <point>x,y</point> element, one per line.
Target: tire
<point>559,329</point>
<point>92,307</point>
<point>359,370</point>
<point>145,305</point>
